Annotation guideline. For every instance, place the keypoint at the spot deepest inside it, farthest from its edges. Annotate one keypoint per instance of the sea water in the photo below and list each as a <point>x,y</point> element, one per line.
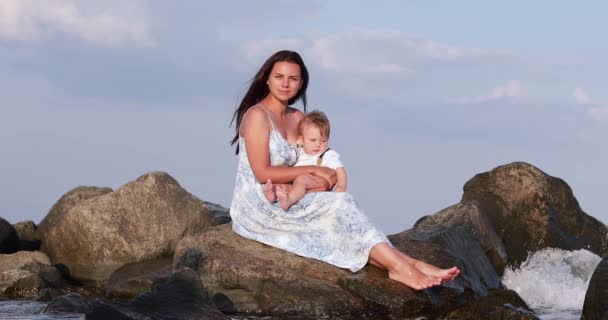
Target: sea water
<point>30,310</point>
<point>553,282</point>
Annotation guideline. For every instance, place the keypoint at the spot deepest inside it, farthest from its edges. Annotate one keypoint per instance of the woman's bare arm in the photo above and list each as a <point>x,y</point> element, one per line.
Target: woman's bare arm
<point>255,130</point>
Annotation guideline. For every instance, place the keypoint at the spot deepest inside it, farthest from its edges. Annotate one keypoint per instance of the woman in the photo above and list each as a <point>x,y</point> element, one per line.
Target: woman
<point>328,226</point>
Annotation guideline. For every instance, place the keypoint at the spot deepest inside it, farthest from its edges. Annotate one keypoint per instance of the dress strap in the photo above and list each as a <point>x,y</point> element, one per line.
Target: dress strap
<point>268,115</point>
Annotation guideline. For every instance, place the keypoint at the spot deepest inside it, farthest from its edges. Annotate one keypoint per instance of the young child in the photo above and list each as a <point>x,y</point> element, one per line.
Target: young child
<point>313,130</point>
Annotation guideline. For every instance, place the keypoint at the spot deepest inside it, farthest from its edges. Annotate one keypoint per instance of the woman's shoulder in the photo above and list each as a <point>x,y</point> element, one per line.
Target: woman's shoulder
<point>254,116</point>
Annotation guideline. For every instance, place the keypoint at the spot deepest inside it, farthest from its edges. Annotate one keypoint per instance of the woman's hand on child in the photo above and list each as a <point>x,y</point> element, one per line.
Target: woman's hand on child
<point>324,178</point>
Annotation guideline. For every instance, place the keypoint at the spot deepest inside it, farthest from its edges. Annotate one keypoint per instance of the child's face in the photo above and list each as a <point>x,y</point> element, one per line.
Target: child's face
<point>312,140</point>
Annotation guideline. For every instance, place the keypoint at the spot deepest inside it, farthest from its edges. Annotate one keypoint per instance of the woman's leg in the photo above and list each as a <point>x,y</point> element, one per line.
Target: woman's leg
<point>429,269</point>
<point>399,269</point>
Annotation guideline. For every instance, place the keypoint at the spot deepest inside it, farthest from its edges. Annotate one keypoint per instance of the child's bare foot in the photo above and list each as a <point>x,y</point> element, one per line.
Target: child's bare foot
<point>269,191</point>
<point>283,198</point>
<point>412,277</point>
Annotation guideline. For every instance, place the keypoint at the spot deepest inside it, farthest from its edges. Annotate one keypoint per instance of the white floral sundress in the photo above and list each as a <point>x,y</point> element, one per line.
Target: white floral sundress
<point>328,226</point>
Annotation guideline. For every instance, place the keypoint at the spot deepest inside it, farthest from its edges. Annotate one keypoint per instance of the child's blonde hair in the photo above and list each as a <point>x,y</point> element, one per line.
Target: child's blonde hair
<point>316,118</point>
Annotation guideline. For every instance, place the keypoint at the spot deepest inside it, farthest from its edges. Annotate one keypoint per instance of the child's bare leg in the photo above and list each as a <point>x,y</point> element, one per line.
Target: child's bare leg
<point>269,191</point>
<point>297,191</point>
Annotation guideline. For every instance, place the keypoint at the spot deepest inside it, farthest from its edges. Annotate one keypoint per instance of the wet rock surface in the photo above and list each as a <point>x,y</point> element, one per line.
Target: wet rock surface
<point>596,298</point>
<point>137,278</point>
<point>181,297</point>
<point>496,305</point>
<point>69,303</point>
<point>462,236</point>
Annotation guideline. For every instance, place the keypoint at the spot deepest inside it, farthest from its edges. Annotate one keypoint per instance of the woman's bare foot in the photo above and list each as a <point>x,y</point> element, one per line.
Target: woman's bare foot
<point>283,198</point>
<point>443,274</point>
<point>269,191</point>
<point>412,277</point>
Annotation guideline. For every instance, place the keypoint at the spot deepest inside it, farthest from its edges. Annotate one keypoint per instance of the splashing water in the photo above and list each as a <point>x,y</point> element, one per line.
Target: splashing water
<point>553,280</point>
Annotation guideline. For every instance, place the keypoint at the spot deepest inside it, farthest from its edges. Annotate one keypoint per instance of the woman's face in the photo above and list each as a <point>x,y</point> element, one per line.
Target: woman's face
<point>284,80</point>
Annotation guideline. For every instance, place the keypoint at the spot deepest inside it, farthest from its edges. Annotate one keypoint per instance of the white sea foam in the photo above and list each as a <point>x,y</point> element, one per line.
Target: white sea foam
<point>552,279</point>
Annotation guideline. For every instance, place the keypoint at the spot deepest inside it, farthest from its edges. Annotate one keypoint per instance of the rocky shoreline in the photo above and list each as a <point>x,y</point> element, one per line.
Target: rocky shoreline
<point>151,250</point>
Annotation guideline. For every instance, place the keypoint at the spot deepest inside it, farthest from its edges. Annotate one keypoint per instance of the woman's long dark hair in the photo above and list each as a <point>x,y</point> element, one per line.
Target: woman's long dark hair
<point>258,89</point>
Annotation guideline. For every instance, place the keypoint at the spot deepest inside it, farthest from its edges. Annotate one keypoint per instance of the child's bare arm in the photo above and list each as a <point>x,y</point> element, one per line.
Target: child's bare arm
<point>341,177</point>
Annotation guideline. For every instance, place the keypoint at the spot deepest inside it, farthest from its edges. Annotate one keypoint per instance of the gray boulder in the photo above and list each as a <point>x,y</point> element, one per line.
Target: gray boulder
<point>94,231</point>
<point>21,259</point>
<point>26,230</point>
<point>18,283</point>
<point>24,273</point>
<point>459,235</point>
<point>9,242</point>
<point>181,297</point>
<point>531,210</point>
<point>497,305</point>
<point>596,298</point>
<point>137,278</point>
<point>245,276</point>
<point>220,214</point>
<point>69,303</point>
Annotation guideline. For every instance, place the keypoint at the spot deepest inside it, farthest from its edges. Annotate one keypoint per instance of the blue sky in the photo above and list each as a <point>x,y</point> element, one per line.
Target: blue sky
<point>422,95</point>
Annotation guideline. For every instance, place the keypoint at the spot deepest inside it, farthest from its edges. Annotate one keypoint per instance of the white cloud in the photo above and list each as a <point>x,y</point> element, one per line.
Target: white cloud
<point>581,96</point>
<point>599,113</point>
<point>253,52</point>
<point>377,51</point>
<point>364,51</point>
<point>33,20</point>
<point>511,90</point>
<point>597,110</point>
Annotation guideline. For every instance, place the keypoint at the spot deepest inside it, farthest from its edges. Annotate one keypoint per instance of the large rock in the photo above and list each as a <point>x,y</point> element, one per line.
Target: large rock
<point>137,278</point>
<point>245,276</point>
<point>220,214</point>
<point>94,231</point>
<point>182,297</point>
<point>596,298</point>
<point>21,259</point>
<point>24,273</point>
<point>18,283</point>
<point>26,232</point>
<point>458,235</point>
<point>497,305</point>
<point>531,210</point>
<point>69,303</point>
<point>9,242</point>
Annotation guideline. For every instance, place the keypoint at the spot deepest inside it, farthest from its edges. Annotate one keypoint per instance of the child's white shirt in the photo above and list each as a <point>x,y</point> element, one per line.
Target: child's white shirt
<point>331,159</point>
